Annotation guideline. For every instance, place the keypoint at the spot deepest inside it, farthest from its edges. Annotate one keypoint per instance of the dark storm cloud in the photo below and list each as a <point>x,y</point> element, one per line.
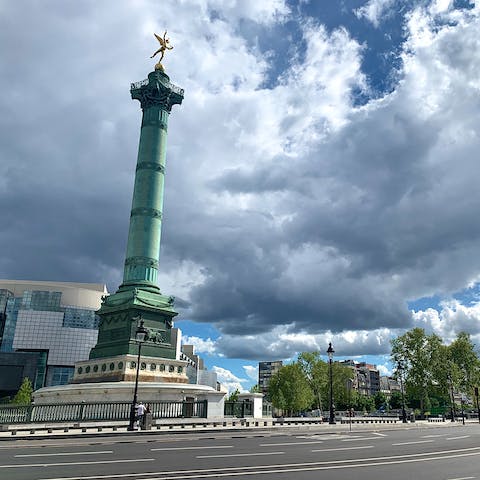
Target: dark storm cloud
<point>297,211</point>
<point>65,146</point>
<point>372,218</point>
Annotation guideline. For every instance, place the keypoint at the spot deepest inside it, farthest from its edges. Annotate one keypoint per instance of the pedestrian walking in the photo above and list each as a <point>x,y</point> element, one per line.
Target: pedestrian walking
<point>140,413</point>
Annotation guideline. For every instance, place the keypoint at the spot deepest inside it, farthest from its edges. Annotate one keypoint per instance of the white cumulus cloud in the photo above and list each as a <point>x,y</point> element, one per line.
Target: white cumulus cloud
<point>252,372</point>
<point>375,11</point>
<point>201,345</point>
<point>229,379</point>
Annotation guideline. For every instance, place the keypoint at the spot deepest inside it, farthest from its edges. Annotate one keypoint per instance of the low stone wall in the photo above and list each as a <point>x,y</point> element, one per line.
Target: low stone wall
<point>369,420</point>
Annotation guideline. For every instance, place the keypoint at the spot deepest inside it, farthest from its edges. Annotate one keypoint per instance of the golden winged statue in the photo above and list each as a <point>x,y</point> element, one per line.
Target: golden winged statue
<point>164,45</point>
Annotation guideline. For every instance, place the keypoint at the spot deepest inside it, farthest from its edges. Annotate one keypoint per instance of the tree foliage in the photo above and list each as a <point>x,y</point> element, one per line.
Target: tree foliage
<point>342,376</point>
<point>289,389</point>
<point>363,403</point>
<point>310,375</point>
<point>24,394</point>
<point>233,397</point>
<point>380,400</point>
<point>418,353</point>
<point>314,369</point>
<point>430,372</point>
<point>464,358</point>
<point>433,370</point>
<point>395,400</point>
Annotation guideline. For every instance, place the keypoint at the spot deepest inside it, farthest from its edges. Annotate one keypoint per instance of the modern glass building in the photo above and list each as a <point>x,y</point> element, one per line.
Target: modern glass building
<point>265,372</point>
<point>45,327</point>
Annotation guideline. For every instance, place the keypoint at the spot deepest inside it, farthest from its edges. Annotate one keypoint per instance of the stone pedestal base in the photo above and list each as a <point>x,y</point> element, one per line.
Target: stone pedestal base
<point>123,368</point>
<point>148,392</point>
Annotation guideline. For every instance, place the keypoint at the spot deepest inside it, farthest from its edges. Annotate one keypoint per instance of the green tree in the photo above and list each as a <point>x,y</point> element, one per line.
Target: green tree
<point>341,376</point>
<point>456,369</point>
<point>315,371</point>
<point>317,374</point>
<point>380,400</point>
<point>467,364</point>
<point>396,400</point>
<point>419,353</point>
<point>289,390</point>
<point>233,397</point>
<point>447,375</point>
<point>363,403</point>
<point>24,394</point>
<point>255,389</point>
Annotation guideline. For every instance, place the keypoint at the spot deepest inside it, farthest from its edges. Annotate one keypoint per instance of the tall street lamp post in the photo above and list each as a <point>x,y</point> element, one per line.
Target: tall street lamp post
<point>140,336</point>
<point>350,409</point>
<point>478,408</point>
<point>400,369</point>
<point>330,353</point>
<point>452,398</point>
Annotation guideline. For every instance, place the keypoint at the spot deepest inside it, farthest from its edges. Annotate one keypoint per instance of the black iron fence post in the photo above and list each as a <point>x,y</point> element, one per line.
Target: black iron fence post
<point>30,412</point>
<point>81,411</point>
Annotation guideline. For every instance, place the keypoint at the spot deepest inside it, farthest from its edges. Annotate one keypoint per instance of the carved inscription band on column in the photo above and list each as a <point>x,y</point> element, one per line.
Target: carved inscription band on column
<point>150,166</point>
<point>146,212</point>
<point>142,261</point>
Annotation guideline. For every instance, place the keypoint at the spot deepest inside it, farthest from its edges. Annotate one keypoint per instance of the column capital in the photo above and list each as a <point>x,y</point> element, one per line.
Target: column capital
<point>157,90</point>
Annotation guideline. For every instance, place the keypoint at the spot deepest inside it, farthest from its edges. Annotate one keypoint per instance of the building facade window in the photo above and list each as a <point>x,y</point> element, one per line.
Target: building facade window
<point>59,375</point>
<point>48,319</point>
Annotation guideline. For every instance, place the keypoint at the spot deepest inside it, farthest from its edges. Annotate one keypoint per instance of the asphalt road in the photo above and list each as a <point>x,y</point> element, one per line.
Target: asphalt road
<point>443,453</point>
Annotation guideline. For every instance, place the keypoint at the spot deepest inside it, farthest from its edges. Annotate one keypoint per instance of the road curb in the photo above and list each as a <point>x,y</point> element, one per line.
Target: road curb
<point>178,430</point>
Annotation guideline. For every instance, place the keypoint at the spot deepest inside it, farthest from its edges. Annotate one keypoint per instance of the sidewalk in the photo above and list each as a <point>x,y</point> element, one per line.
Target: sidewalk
<point>112,429</point>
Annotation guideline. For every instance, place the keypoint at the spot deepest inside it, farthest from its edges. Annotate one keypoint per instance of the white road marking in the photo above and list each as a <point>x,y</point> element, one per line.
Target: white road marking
<point>342,448</point>
<point>64,453</point>
<point>461,478</point>
<point>241,455</point>
<point>412,443</point>
<point>56,445</point>
<point>290,443</point>
<point>457,438</point>
<point>380,434</point>
<point>189,448</point>
<point>434,436</point>
<point>305,469</point>
<point>412,457</point>
<point>261,470</point>
<point>30,465</point>
<point>360,438</point>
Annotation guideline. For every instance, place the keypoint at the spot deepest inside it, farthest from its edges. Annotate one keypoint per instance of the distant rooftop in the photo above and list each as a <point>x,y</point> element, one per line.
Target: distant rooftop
<point>73,293</point>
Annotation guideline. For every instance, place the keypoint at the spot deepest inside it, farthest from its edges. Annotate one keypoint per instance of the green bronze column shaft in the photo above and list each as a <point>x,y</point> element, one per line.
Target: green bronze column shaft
<point>157,96</point>
<point>139,294</point>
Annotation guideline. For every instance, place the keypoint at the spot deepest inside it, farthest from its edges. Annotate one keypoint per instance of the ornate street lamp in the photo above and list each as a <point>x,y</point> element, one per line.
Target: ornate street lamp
<point>452,396</point>
<point>141,335</point>
<point>330,352</point>
<point>400,369</point>
<point>478,408</point>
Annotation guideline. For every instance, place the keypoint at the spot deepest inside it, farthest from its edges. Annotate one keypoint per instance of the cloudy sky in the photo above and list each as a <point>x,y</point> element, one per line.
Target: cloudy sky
<point>322,171</point>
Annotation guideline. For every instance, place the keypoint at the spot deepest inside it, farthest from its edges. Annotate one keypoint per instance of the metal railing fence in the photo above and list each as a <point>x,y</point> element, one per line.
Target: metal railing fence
<point>92,411</point>
<point>238,409</point>
<point>267,409</point>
